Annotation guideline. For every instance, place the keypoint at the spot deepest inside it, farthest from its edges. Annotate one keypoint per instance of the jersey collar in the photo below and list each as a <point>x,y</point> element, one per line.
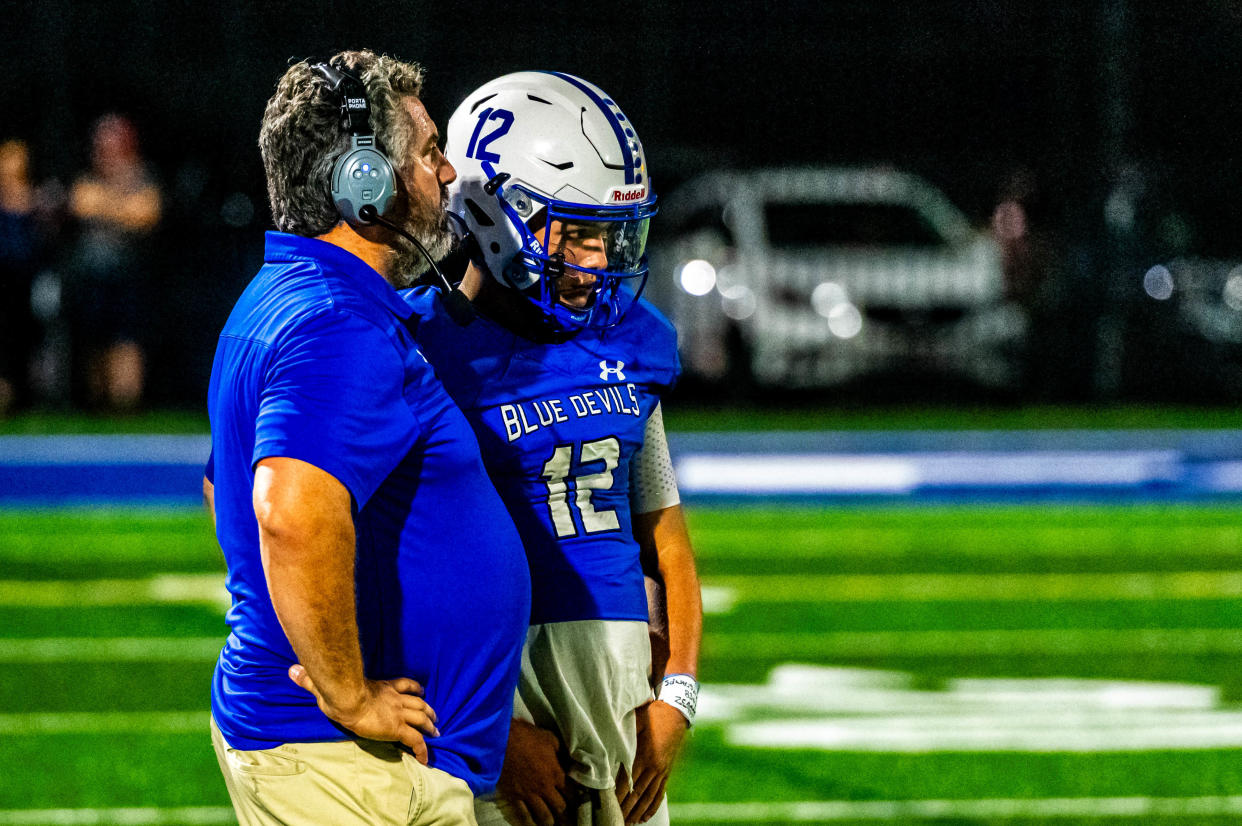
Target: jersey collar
<point>283,247</point>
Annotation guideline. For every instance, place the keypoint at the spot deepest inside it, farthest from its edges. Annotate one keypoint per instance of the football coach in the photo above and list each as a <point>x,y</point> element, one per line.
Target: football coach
<point>379,590</point>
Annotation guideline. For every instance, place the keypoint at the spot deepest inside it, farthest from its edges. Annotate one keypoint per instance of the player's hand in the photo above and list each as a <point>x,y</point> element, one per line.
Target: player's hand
<point>661,729</point>
<point>391,710</point>
<point>531,791</point>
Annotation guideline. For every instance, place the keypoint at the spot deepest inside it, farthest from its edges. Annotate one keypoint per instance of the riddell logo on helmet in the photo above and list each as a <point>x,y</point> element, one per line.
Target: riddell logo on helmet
<point>627,195</point>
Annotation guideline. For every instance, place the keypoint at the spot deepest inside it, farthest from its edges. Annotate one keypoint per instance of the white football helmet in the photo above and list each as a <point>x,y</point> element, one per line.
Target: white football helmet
<point>538,149</point>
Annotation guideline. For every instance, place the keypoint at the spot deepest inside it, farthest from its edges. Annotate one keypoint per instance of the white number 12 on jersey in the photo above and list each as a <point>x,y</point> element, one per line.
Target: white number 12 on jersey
<point>556,472</point>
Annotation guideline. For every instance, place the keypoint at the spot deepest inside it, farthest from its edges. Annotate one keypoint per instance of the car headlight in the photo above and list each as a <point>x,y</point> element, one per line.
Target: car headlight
<point>1231,293</point>
<point>1158,283</point>
<point>738,302</point>
<point>697,277</point>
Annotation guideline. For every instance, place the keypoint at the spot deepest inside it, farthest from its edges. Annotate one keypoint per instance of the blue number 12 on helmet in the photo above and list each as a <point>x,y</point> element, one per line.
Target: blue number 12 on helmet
<point>478,148</point>
<point>567,225</point>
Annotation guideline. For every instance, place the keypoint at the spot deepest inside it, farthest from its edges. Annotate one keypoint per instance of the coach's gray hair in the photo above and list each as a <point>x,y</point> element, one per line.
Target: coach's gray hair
<point>302,136</point>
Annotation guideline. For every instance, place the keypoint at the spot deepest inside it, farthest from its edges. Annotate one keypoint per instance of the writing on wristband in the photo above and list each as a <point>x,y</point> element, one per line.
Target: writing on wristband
<point>681,691</point>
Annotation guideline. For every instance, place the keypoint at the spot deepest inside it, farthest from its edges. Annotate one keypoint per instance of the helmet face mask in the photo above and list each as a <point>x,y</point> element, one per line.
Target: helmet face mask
<point>552,182</point>
<point>585,267</point>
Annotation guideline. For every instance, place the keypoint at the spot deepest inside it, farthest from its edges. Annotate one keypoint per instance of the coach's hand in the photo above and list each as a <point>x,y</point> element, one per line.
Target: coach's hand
<point>387,710</point>
<point>531,791</point>
<point>661,728</point>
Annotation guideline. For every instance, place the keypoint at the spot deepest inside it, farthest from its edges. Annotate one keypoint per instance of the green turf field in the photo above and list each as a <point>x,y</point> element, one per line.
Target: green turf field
<point>784,414</point>
<point>861,665</point>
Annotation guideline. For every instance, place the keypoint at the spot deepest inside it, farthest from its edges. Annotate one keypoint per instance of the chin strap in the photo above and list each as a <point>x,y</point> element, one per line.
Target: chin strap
<point>518,314</point>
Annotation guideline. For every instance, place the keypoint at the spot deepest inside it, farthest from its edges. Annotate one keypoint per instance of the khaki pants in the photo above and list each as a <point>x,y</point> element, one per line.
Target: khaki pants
<point>362,782</point>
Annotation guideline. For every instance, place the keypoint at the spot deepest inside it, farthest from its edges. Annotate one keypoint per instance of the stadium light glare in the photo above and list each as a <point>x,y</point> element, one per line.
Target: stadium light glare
<point>827,296</point>
<point>845,321</point>
<point>697,277</point>
<point>1231,294</point>
<point>738,302</point>
<point>1158,283</point>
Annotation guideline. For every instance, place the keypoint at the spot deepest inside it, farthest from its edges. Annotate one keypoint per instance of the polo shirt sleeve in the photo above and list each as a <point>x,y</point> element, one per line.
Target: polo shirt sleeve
<point>333,396</point>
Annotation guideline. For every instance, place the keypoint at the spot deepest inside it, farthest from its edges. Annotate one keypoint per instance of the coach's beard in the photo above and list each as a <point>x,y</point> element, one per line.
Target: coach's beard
<point>429,224</point>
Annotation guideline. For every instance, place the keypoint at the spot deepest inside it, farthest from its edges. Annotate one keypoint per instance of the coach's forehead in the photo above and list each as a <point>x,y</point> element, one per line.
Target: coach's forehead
<point>424,126</point>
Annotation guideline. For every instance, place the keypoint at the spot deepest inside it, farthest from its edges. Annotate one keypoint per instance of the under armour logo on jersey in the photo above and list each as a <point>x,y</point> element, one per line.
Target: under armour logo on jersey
<point>605,371</point>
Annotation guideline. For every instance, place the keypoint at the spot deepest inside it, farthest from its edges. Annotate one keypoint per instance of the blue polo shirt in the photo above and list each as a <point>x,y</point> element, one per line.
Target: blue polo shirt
<point>316,363</point>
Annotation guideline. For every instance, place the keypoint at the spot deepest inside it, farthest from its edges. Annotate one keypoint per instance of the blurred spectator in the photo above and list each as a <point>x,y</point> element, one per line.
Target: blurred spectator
<point>1038,277</point>
<point>1025,245</point>
<point>21,253</point>
<point>119,206</point>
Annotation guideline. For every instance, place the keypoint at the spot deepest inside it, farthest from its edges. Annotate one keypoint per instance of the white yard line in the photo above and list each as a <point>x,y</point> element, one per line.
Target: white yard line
<point>949,733</point>
<point>1048,733</point>
<point>105,722</point>
<point>721,594</point>
<point>110,649</point>
<point>906,810</point>
<point>756,645</point>
<point>905,473</point>
<point>1021,642</point>
<point>161,589</point>
<point>859,710</point>
<point>1052,544</point>
<point>717,599</point>
<point>144,816</point>
<point>811,811</point>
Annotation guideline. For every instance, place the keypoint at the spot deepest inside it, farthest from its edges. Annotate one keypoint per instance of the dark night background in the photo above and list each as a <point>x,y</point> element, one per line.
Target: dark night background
<point>964,93</point>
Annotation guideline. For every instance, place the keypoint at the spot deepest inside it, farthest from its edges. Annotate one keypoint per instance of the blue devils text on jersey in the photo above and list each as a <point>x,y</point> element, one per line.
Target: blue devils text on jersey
<point>557,425</point>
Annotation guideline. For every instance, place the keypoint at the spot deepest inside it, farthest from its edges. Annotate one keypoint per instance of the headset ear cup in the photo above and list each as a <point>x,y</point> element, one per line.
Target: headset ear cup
<point>362,176</point>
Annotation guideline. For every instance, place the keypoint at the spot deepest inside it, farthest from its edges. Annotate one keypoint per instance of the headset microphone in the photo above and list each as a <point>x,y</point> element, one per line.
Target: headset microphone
<point>456,304</point>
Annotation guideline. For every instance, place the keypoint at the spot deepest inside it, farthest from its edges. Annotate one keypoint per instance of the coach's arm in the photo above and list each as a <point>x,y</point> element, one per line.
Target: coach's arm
<point>306,539</point>
<point>209,498</point>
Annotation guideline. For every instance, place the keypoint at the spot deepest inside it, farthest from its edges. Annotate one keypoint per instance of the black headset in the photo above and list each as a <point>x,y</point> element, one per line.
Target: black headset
<point>362,176</point>
<point>364,181</point>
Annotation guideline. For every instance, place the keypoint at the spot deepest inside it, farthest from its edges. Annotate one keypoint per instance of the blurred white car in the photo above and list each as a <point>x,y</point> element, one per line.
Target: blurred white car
<point>1207,293</point>
<point>807,278</point>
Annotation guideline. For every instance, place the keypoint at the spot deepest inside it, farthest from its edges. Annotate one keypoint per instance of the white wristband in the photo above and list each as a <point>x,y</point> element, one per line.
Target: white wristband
<point>681,691</point>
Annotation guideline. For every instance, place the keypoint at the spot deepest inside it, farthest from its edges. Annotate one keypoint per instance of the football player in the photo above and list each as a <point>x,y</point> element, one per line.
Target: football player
<point>561,376</point>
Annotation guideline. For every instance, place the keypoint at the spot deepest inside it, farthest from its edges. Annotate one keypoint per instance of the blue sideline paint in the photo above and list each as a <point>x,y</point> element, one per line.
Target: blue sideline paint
<point>914,467</point>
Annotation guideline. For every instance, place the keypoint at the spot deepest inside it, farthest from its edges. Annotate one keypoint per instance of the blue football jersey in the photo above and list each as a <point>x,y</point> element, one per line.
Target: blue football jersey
<point>558,425</point>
